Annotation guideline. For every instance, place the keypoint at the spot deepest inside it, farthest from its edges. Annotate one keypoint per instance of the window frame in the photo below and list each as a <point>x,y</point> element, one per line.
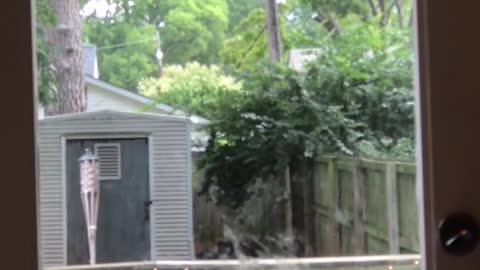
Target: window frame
<point>18,116</point>
<point>19,201</point>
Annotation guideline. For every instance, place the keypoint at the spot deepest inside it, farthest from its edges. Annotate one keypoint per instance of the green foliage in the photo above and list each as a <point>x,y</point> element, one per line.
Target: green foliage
<point>237,11</point>
<point>194,30</point>
<point>247,44</point>
<point>381,12</point>
<point>355,99</point>
<point>341,8</point>
<point>302,30</point>
<point>190,30</point>
<point>195,88</point>
<point>401,149</point>
<point>44,17</point>
<point>377,86</point>
<point>123,65</point>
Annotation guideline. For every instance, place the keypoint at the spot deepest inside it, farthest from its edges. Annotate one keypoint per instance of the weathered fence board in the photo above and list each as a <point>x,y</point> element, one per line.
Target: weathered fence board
<point>371,207</point>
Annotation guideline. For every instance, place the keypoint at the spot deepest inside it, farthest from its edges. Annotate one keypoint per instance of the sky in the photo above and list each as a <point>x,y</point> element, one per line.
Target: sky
<point>102,7</point>
<point>99,6</point>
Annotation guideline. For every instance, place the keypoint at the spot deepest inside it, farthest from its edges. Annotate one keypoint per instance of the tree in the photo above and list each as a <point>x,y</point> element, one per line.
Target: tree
<point>248,45</point>
<point>194,30</point>
<point>126,52</point>
<point>336,106</point>
<point>66,58</point>
<point>301,32</point>
<point>273,30</point>
<point>191,30</point>
<point>248,42</point>
<point>44,18</point>
<point>237,10</point>
<point>195,88</point>
<point>328,12</point>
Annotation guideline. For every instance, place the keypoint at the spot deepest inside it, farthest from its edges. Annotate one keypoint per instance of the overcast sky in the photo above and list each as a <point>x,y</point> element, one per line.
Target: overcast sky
<point>100,6</point>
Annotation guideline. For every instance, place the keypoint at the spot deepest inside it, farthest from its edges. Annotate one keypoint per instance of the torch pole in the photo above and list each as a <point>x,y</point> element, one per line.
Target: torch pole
<point>90,191</point>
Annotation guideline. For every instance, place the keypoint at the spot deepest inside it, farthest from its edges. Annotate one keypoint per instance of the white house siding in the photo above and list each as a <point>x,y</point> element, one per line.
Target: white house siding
<point>99,99</point>
<point>170,179</point>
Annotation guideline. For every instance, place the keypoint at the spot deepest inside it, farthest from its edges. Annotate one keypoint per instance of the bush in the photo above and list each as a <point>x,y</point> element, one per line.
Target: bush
<point>195,88</point>
<point>355,99</point>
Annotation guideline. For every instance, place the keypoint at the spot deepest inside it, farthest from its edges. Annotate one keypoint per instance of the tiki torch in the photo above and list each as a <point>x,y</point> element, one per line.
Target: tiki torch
<point>89,192</point>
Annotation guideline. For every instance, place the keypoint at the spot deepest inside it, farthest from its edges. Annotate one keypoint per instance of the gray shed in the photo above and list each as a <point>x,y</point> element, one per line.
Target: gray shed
<point>145,196</point>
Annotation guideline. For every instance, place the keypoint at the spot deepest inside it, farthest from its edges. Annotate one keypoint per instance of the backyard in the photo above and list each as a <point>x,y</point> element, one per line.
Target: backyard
<point>229,130</point>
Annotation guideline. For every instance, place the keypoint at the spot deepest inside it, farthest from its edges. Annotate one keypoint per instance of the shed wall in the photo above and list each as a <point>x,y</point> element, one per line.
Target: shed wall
<point>169,181</point>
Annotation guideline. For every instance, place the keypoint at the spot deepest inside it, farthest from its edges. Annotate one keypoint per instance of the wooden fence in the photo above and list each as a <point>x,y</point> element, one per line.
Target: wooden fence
<point>364,207</point>
<point>359,207</point>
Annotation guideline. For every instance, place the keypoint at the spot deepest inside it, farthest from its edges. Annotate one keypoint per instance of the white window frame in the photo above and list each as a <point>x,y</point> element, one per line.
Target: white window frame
<point>19,165</point>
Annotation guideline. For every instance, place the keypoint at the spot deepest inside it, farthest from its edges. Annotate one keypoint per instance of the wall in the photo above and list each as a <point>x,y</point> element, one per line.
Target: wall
<point>99,99</point>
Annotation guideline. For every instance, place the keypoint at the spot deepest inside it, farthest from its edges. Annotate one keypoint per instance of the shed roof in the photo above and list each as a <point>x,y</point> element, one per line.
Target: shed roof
<point>105,114</point>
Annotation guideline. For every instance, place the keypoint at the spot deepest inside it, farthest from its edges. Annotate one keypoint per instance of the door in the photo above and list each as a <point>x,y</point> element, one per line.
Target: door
<point>123,223</point>
<point>449,97</point>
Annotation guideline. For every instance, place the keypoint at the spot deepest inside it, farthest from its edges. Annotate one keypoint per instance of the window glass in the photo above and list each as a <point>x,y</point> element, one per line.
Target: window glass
<point>237,130</point>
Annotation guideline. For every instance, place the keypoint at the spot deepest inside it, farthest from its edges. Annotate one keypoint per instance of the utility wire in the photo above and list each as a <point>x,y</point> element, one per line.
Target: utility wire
<point>124,44</point>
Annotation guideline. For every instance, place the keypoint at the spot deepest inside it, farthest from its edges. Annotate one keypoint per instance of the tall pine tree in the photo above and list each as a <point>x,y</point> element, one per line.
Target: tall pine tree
<point>66,57</point>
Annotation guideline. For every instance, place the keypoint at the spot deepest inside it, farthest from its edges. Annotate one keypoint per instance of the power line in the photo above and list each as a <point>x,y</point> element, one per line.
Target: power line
<point>124,44</point>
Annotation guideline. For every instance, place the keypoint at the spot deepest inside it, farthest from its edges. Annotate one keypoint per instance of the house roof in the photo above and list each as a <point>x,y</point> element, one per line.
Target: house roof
<point>195,119</point>
<point>297,58</point>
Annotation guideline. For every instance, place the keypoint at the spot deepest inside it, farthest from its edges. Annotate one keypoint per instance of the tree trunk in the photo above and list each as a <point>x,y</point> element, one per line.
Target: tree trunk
<point>126,10</point>
<point>67,58</point>
<point>412,15</point>
<point>329,21</point>
<point>384,15</point>
<point>398,6</point>
<point>373,9</point>
<point>273,30</point>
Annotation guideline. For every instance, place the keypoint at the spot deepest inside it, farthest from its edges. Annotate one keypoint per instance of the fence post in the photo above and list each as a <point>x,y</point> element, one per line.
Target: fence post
<point>392,208</point>
<point>309,233</point>
<point>332,207</point>
<point>288,207</point>
<point>359,213</point>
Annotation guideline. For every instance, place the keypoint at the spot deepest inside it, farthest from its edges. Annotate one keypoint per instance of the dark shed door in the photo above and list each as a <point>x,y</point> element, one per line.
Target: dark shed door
<point>123,223</point>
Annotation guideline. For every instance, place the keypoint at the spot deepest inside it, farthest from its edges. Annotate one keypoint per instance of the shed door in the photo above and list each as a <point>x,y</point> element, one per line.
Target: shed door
<point>123,223</point>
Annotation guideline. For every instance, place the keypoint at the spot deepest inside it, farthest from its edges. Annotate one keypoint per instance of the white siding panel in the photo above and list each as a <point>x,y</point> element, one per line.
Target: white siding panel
<point>170,175</point>
<point>169,216</point>
<point>51,212</point>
